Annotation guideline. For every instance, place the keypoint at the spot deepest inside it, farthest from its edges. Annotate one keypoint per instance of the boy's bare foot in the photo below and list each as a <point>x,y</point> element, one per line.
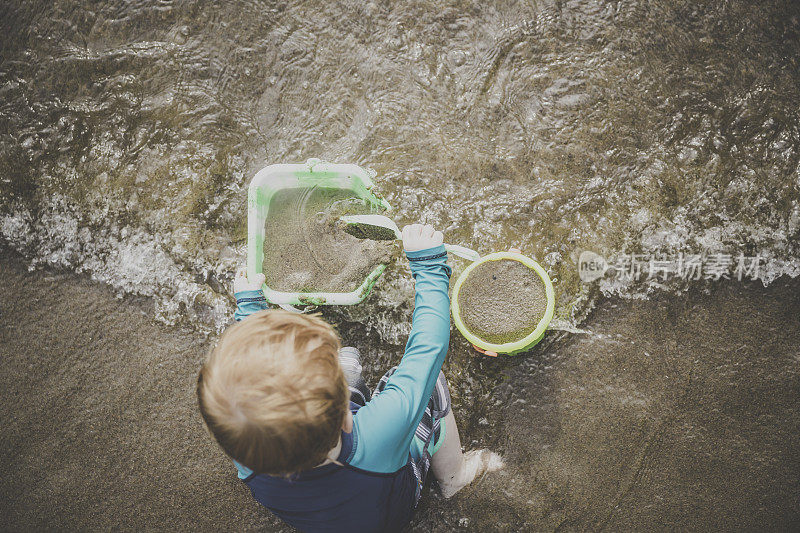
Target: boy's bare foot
<point>476,462</point>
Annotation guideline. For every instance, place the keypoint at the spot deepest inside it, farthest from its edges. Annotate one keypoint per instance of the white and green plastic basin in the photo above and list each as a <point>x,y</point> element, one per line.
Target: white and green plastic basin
<point>312,173</point>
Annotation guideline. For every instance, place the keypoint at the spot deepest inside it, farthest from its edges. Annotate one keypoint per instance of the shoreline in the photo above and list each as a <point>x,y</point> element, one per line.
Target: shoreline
<point>101,429</point>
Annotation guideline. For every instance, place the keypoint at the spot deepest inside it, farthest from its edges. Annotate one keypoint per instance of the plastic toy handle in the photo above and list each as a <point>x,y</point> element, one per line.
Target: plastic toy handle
<point>484,352</point>
<point>462,251</point>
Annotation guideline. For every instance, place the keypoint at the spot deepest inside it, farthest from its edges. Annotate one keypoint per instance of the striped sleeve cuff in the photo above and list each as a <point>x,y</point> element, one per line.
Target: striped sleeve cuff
<point>249,296</point>
<point>427,254</point>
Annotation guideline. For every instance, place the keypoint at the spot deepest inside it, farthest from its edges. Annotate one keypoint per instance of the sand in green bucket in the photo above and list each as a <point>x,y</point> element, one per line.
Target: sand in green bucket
<point>305,251</point>
<point>502,301</point>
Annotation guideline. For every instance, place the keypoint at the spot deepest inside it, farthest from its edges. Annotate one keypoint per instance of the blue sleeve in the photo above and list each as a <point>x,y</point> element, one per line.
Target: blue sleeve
<point>383,429</point>
<point>242,472</point>
<point>249,302</point>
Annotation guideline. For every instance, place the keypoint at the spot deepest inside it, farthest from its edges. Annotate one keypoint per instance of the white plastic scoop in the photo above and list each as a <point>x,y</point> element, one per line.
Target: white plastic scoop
<point>382,228</point>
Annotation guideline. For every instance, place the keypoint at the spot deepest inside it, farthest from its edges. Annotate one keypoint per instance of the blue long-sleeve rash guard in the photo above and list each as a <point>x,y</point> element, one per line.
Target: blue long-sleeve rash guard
<point>375,489</point>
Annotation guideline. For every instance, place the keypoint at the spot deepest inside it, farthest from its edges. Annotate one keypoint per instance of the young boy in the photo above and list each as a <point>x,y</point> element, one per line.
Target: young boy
<point>291,409</point>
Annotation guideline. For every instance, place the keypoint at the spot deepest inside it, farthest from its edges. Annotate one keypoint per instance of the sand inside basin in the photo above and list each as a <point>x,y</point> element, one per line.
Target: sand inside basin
<point>502,301</point>
<point>306,251</point>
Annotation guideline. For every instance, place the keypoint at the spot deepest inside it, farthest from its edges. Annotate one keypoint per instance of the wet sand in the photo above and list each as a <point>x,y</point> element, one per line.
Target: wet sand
<point>100,428</point>
<point>678,413</point>
<point>675,413</point>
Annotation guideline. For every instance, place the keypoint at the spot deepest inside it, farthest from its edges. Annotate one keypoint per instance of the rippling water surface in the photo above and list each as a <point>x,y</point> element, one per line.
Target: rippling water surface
<point>128,131</point>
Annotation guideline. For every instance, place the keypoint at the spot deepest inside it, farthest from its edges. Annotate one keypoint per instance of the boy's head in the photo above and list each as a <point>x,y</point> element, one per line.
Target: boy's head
<point>273,394</point>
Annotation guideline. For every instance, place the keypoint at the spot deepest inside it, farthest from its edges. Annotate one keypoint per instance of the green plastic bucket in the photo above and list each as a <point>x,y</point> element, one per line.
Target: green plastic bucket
<point>510,348</point>
<point>312,173</point>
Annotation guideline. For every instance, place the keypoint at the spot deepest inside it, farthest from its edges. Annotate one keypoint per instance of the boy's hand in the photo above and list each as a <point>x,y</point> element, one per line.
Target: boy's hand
<point>241,283</point>
<point>419,237</point>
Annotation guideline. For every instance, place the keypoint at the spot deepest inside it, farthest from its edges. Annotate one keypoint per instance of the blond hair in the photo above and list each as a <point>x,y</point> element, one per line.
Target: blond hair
<point>272,392</point>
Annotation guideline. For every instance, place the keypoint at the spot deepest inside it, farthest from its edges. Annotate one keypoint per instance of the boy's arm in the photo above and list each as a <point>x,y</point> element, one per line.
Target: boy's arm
<point>249,296</point>
<point>249,302</point>
<point>384,428</point>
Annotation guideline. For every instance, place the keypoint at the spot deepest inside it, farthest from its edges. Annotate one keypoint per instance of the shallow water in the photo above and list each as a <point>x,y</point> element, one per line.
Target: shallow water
<point>129,132</point>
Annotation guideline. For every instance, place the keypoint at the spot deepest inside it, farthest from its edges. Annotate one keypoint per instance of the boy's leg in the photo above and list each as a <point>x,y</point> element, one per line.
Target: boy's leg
<point>454,469</point>
<point>350,361</point>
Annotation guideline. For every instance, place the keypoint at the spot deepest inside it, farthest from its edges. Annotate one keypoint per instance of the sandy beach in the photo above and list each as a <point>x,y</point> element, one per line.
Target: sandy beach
<point>689,423</point>
<point>100,429</point>
<point>659,138</point>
